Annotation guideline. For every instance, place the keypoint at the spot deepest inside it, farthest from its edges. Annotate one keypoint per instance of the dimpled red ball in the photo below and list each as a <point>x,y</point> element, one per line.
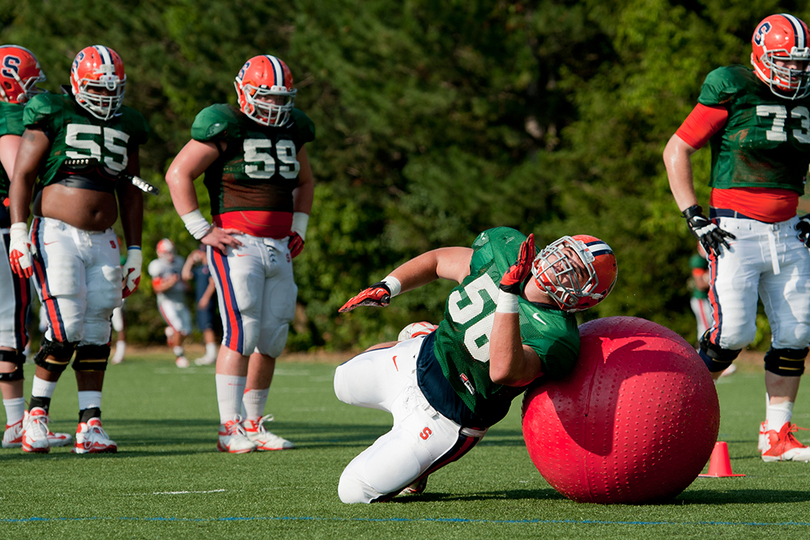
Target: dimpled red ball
<point>635,422</point>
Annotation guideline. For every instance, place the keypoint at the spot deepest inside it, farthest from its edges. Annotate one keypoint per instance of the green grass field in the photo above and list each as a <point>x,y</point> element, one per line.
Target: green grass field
<point>168,480</point>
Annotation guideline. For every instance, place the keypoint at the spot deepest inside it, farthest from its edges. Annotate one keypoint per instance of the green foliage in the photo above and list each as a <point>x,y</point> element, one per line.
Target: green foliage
<point>435,120</point>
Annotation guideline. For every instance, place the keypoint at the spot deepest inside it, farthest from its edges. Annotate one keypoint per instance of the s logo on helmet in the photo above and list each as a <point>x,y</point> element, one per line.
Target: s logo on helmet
<point>761,31</point>
<point>11,66</point>
<point>244,69</point>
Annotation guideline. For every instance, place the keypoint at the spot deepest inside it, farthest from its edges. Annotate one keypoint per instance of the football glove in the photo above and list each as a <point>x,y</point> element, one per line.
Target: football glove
<point>803,226</point>
<point>296,244</point>
<point>711,236</point>
<point>132,271</point>
<point>19,250</point>
<point>378,295</point>
<point>512,281</point>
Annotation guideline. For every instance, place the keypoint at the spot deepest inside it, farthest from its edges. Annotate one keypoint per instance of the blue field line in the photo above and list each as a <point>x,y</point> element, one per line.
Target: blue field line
<point>422,520</point>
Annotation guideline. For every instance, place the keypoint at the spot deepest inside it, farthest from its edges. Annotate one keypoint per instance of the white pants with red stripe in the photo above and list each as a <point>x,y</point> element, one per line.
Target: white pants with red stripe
<point>765,261</point>
<point>256,294</point>
<point>702,309</point>
<point>175,313</point>
<point>421,440</point>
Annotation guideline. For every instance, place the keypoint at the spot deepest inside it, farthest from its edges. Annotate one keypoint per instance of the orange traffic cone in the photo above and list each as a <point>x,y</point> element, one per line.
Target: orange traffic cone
<point>719,464</point>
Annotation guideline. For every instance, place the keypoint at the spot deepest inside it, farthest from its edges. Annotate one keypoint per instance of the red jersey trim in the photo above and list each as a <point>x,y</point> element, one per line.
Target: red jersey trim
<point>261,223</point>
<point>701,124</point>
<point>769,205</point>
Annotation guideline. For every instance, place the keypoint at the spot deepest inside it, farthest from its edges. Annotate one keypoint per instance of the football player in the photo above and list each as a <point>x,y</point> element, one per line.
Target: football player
<point>72,250</point>
<point>758,124</point>
<point>261,189</point>
<point>19,75</point>
<point>171,298</point>
<point>508,322</point>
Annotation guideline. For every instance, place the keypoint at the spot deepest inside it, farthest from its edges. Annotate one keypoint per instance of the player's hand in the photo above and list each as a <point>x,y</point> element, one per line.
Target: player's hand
<point>221,238</point>
<point>803,226</point>
<point>132,271</point>
<point>710,235</point>
<point>378,295</point>
<point>296,244</point>
<point>19,250</point>
<point>512,280</point>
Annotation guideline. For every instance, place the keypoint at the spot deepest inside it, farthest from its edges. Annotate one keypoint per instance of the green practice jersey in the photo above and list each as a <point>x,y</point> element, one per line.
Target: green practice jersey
<point>76,134</point>
<point>462,340</point>
<point>259,168</point>
<point>11,115</point>
<point>766,140</point>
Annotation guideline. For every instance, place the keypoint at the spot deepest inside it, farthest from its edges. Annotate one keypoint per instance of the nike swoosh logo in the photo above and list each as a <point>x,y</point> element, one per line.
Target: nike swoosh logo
<point>536,316</point>
<point>49,243</point>
<point>242,254</point>
<point>395,364</point>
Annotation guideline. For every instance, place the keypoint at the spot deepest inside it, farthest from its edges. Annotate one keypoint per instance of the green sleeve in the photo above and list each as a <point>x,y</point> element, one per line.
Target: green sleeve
<point>215,123</point>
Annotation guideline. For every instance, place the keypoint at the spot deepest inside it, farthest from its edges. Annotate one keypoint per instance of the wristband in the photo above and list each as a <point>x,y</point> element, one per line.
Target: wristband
<point>507,303</point>
<point>196,225</point>
<point>393,285</point>
<point>19,229</point>
<point>299,224</point>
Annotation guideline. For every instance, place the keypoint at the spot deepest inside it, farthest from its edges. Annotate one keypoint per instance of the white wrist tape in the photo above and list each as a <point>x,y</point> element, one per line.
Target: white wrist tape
<point>196,225</point>
<point>299,224</point>
<point>18,230</point>
<point>507,303</point>
<point>393,285</point>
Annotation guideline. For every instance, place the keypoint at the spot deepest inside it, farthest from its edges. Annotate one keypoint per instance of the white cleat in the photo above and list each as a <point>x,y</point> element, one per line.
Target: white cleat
<point>264,439</point>
<point>92,439</point>
<point>12,437</point>
<point>205,360</point>
<point>35,431</point>
<point>181,362</point>
<point>232,438</point>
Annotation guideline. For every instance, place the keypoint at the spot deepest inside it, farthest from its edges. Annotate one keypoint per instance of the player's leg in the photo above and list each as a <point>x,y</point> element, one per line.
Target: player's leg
<point>787,305</point>
<point>205,324</point>
<point>178,318</point>
<point>237,275</point>
<point>93,352</point>
<point>733,294</point>
<point>119,325</point>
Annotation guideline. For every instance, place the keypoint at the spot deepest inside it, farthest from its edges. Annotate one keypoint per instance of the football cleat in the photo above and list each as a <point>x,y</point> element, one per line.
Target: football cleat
<point>264,440</point>
<point>416,488</point>
<point>181,362</point>
<point>781,445</point>
<point>59,439</point>
<point>416,329</point>
<point>12,437</point>
<point>232,438</point>
<point>35,431</point>
<point>92,439</point>
<point>205,360</point>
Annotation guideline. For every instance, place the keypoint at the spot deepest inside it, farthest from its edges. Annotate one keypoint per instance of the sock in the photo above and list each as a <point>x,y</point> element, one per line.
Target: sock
<point>778,415</point>
<point>178,351</point>
<point>253,402</point>
<point>230,389</point>
<point>15,409</point>
<point>211,350</point>
<point>120,349</point>
<point>41,392</point>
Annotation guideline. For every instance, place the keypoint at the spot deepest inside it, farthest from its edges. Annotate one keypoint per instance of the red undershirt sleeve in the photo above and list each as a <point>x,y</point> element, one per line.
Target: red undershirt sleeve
<point>701,124</point>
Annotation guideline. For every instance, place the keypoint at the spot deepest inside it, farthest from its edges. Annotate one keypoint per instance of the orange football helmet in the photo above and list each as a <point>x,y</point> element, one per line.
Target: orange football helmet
<point>264,87</point>
<point>97,79</point>
<point>19,74</point>
<point>556,272</point>
<point>782,37</point>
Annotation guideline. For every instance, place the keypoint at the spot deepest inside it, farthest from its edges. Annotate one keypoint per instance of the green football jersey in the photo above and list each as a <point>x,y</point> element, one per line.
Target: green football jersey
<point>11,115</point>
<point>462,340</point>
<point>766,140</point>
<point>259,168</point>
<point>76,134</point>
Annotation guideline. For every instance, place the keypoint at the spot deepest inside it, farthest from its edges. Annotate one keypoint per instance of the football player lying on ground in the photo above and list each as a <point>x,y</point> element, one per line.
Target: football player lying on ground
<point>508,322</point>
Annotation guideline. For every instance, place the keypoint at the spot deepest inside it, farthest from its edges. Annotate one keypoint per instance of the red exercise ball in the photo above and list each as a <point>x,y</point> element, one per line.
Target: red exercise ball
<point>635,422</point>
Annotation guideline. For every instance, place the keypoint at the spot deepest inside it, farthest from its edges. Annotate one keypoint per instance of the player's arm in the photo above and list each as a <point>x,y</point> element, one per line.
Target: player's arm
<point>451,263</point>
<point>303,195</point>
<point>163,284</point>
<point>192,161</point>
<point>8,152</point>
<point>206,297</point>
<point>130,209</point>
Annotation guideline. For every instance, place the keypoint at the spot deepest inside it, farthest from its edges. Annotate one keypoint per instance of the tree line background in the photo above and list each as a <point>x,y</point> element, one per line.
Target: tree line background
<point>435,121</point>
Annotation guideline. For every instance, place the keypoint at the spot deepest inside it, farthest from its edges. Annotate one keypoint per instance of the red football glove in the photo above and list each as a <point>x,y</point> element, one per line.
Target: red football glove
<point>19,250</point>
<point>378,295</point>
<point>296,244</point>
<point>513,279</point>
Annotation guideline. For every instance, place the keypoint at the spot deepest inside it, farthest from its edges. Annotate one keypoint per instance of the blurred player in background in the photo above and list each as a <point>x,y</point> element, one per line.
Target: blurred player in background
<point>261,189</point>
<point>166,272</point>
<point>19,75</point>
<point>758,124</point>
<point>72,250</point>
<point>196,270</point>
<point>508,322</point>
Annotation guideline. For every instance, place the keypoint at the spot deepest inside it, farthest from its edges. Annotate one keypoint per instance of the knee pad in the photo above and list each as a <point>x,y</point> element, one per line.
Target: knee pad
<point>786,362</point>
<point>18,359</point>
<point>60,350</point>
<point>91,357</point>
<point>715,357</point>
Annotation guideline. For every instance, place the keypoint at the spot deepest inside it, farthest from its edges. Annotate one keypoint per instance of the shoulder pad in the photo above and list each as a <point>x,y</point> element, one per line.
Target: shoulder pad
<point>722,84</point>
<point>217,122</point>
<point>303,125</point>
<point>42,106</point>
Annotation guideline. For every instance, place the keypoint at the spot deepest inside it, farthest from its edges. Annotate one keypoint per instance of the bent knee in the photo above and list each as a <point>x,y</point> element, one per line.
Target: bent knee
<point>352,490</point>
